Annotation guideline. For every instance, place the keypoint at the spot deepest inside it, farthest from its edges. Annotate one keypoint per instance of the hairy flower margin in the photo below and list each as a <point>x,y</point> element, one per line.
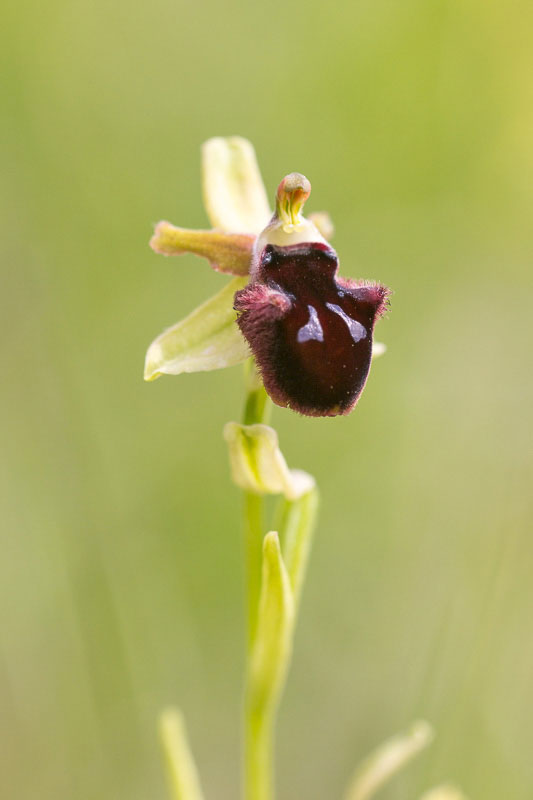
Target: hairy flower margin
<point>309,330</point>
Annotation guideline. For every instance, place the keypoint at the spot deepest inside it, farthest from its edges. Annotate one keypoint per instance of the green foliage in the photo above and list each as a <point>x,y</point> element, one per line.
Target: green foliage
<point>182,772</point>
<point>120,588</point>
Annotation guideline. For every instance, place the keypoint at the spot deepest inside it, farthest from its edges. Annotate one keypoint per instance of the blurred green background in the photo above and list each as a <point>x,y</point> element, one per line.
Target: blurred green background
<point>121,568</point>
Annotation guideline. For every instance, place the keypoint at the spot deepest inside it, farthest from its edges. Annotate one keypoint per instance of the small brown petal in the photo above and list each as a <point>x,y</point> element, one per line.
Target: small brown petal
<point>226,252</point>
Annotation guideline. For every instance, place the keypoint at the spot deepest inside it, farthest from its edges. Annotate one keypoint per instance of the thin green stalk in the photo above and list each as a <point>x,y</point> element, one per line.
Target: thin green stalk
<point>275,571</point>
<point>259,760</point>
<point>258,729</point>
<point>257,408</point>
<point>258,405</point>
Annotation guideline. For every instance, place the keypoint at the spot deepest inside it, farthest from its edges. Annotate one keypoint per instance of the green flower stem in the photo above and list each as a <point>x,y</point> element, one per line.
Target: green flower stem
<point>258,405</point>
<point>258,726</point>
<point>259,760</point>
<point>257,409</point>
<point>274,580</point>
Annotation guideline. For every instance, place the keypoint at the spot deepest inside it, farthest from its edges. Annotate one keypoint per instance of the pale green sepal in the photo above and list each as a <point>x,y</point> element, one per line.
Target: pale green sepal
<point>234,194</point>
<point>182,772</point>
<point>298,522</point>
<point>378,349</point>
<point>207,339</point>
<point>272,645</point>
<point>444,792</point>
<point>388,759</point>
<point>257,463</point>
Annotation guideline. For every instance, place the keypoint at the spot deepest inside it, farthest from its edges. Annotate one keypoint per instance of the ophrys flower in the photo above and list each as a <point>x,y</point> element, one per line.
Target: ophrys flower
<point>309,330</point>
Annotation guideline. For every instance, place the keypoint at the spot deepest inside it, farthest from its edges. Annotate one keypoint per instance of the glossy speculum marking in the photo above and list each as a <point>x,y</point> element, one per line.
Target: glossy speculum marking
<point>310,332</point>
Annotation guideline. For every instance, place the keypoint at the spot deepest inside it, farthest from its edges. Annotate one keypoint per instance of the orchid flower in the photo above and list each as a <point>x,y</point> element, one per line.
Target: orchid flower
<point>309,330</point>
<point>310,333</point>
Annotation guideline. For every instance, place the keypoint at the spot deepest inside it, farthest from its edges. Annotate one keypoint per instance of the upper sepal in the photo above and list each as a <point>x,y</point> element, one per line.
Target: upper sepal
<point>234,194</point>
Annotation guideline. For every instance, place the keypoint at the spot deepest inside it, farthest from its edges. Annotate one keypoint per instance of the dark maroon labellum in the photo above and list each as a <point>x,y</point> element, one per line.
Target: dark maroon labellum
<point>310,332</point>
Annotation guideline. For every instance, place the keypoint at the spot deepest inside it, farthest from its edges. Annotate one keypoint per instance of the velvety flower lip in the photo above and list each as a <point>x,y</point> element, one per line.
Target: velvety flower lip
<point>310,331</point>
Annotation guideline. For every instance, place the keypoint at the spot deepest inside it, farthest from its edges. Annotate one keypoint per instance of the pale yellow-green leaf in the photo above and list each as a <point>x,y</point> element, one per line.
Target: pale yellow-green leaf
<point>388,759</point>
<point>297,524</point>
<point>257,463</point>
<point>272,645</point>
<point>234,194</point>
<point>444,792</point>
<point>182,772</point>
<point>207,339</point>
